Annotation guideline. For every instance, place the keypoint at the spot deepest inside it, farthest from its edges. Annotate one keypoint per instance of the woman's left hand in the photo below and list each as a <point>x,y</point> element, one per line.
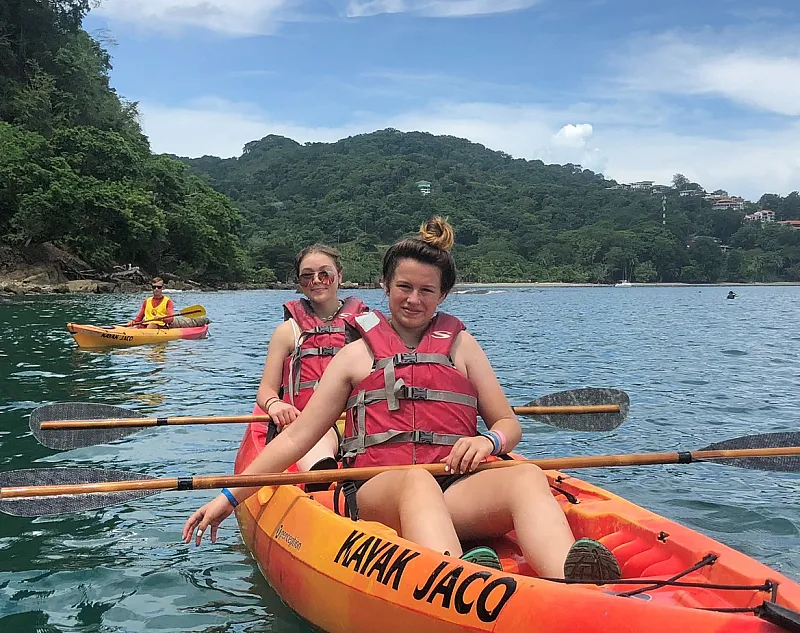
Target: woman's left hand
<point>467,453</point>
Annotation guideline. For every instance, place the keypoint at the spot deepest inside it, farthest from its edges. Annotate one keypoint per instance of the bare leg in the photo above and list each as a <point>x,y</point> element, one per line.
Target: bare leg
<point>153,326</point>
<point>326,447</point>
<point>411,502</point>
<point>493,502</point>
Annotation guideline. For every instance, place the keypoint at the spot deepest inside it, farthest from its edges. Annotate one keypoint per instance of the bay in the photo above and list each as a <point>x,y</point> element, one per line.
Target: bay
<point>698,368</point>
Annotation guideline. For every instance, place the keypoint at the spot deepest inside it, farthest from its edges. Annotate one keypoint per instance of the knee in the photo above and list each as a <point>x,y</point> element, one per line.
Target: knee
<point>528,480</point>
<point>418,481</point>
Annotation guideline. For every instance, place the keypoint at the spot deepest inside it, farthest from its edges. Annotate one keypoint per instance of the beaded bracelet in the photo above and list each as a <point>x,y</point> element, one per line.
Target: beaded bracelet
<point>230,497</point>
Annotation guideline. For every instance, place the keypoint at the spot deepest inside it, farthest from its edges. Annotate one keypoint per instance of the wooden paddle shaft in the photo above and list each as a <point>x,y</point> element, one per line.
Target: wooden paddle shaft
<point>246,419</point>
<point>361,474</point>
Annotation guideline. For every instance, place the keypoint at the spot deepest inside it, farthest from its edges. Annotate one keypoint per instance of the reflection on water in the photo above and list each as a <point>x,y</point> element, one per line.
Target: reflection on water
<point>698,369</point>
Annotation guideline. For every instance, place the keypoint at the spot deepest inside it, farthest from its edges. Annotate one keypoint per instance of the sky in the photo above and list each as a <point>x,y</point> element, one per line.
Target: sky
<point>634,89</point>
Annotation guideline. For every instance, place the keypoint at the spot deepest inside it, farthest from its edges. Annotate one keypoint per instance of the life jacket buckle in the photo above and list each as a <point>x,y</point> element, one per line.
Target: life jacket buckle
<point>322,329</point>
<point>422,437</point>
<point>413,393</point>
<point>406,358</point>
<point>326,351</point>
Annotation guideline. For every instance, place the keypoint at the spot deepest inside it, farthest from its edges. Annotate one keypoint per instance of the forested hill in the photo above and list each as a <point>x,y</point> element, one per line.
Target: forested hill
<point>75,168</point>
<point>514,219</point>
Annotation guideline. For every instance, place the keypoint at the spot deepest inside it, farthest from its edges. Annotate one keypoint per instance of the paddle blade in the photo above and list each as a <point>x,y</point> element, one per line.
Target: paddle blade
<point>64,504</point>
<point>785,464</point>
<point>195,311</point>
<point>67,439</point>
<point>584,397</point>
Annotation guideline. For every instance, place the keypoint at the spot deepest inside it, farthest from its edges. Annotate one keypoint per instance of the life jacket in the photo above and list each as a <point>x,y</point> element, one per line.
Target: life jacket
<point>155,312</point>
<point>315,345</point>
<point>414,405</point>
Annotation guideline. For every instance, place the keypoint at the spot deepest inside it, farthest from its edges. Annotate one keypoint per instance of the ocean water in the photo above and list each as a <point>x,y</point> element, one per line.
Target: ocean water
<point>698,369</point>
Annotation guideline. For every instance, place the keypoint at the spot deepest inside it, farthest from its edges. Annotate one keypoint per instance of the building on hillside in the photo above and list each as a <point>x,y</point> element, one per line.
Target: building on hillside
<point>642,185</point>
<point>792,224</point>
<point>660,188</point>
<point>733,203</point>
<point>765,215</point>
<point>424,187</point>
<point>692,192</point>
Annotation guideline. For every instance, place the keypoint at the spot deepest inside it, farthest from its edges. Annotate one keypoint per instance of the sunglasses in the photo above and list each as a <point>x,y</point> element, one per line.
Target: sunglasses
<point>155,287</point>
<point>325,277</point>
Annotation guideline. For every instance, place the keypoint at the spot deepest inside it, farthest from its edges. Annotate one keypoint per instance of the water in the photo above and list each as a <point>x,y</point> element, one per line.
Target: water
<point>698,369</point>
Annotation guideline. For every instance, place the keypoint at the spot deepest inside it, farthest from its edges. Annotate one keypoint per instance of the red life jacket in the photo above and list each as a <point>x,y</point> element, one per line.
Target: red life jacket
<point>316,345</point>
<point>414,405</point>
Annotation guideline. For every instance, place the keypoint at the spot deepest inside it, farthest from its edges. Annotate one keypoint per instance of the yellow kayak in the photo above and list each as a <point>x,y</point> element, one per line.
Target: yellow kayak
<point>114,336</point>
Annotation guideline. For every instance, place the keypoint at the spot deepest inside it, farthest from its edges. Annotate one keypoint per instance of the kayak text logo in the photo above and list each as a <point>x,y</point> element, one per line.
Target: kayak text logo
<point>474,593</point>
<point>373,555</point>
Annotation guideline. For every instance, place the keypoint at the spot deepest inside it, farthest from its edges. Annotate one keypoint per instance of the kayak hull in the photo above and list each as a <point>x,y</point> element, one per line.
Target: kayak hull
<point>351,577</point>
<point>114,336</point>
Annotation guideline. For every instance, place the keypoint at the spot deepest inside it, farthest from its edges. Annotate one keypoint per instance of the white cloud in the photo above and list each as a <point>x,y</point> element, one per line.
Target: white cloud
<point>763,75</point>
<point>228,17</point>
<point>750,164</point>
<point>436,8</point>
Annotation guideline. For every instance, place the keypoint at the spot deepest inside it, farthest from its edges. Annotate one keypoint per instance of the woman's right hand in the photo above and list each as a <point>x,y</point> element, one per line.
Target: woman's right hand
<point>282,413</point>
<point>213,513</point>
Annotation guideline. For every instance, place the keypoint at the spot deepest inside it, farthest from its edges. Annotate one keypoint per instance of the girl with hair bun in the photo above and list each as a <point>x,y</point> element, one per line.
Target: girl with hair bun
<point>413,386</point>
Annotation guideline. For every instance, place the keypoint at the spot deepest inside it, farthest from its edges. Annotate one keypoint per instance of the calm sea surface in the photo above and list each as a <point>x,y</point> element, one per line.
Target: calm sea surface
<point>698,368</point>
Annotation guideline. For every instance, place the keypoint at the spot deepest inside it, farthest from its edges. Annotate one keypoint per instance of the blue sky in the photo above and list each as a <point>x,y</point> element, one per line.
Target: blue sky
<point>637,90</point>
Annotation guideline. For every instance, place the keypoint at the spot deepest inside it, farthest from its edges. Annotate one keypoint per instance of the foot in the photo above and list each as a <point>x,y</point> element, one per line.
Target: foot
<point>485,556</point>
<point>591,562</point>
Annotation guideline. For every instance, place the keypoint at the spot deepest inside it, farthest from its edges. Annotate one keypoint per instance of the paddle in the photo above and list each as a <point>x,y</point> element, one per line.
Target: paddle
<point>64,426</point>
<point>195,311</point>
<point>46,491</point>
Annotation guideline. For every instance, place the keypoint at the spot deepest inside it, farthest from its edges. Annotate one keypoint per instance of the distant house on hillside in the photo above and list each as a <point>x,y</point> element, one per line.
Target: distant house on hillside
<point>792,224</point>
<point>642,185</point>
<point>765,215</point>
<point>424,187</point>
<point>733,202</point>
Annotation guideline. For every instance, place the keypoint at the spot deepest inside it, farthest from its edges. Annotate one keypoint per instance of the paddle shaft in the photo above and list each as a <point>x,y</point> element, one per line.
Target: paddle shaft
<point>246,419</point>
<point>361,474</point>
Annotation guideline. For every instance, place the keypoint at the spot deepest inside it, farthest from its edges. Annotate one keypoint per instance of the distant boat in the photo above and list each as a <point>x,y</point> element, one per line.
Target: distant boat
<point>623,284</point>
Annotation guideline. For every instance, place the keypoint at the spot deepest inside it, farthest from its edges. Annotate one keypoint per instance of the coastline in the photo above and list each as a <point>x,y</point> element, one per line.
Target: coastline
<point>673,284</point>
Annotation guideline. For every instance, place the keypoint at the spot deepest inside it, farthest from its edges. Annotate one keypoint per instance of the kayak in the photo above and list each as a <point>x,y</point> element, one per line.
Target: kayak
<point>112,336</point>
<point>351,577</point>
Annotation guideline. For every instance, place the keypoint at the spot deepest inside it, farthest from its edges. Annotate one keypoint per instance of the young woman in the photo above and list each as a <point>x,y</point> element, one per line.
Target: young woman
<point>414,385</point>
<point>302,347</point>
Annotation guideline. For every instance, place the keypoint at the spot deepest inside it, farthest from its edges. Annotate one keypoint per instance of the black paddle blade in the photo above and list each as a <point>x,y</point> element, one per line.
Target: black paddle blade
<point>583,397</point>
<point>67,439</point>
<point>784,464</point>
<point>65,504</point>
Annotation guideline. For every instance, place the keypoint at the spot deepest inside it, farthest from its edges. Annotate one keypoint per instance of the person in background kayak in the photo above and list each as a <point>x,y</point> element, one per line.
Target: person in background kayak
<point>436,512</point>
<point>302,347</point>
<point>157,310</point>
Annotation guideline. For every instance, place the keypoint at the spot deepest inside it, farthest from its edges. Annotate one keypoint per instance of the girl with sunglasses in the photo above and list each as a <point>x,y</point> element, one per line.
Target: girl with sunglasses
<point>157,310</point>
<point>413,386</point>
<point>301,348</point>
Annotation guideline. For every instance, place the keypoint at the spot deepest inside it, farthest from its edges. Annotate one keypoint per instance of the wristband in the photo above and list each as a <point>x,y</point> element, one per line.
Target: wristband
<point>503,441</point>
<point>230,497</point>
<point>495,441</point>
<point>269,402</point>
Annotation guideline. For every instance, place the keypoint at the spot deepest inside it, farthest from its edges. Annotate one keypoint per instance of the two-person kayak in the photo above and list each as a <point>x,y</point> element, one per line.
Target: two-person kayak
<point>347,577</point>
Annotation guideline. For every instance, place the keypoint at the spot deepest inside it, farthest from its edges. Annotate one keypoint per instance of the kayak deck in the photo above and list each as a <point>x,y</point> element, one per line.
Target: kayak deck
<point>346,576</point>
<point>114,336</point>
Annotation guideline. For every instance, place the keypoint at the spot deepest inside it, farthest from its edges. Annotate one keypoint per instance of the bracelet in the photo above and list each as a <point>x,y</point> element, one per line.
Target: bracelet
<point>230,497</point>
<point>495,441</point>
<point>269,402</point>
<point>501,436</point>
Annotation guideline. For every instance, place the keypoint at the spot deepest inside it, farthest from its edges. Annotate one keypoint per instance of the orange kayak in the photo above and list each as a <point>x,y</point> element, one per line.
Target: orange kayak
<point>352,577</point>
<point>113,336</point>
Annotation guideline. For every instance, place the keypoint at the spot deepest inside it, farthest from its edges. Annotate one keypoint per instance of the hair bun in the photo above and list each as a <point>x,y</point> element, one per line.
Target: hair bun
<point>437,232</point>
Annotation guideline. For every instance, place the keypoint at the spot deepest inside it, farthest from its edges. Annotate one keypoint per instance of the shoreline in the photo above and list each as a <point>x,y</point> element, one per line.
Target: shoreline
<point>669,284</point>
